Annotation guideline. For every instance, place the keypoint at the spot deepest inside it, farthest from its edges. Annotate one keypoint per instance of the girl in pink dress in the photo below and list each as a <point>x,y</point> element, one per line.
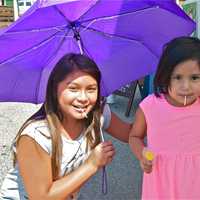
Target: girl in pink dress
<point>171,120</point>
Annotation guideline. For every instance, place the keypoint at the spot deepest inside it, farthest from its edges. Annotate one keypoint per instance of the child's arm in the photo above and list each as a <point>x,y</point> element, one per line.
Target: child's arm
<point>136,137</point>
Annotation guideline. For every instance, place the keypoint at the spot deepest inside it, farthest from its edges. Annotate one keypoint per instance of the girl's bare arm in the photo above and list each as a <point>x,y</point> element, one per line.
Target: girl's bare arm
<point>35,169</point>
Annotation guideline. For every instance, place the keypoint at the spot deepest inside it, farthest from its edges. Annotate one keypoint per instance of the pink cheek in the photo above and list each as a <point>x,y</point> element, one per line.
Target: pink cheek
<point>93,97</point>
<point>69,95</point>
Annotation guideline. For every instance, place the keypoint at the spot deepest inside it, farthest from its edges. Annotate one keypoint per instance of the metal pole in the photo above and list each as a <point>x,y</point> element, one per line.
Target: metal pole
<point>80,46</point>
<point>198,19</point>
<point>78,38</point>
<point>16,11</point>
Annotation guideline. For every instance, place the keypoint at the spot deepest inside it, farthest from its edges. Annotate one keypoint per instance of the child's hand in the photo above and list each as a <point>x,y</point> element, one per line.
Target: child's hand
<point>146,162</point>
<point>102,154</point>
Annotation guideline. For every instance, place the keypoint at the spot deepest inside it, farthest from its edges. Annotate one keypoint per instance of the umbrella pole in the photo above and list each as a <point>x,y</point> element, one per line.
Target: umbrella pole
<point>78,38</point>
<point>80,46</point>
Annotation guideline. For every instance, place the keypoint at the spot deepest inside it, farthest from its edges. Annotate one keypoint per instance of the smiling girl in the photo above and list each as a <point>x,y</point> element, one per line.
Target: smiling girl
<point>60,147</point>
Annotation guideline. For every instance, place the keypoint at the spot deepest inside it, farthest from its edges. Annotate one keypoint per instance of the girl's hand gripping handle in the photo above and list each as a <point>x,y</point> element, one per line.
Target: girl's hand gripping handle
<point>102,154</point>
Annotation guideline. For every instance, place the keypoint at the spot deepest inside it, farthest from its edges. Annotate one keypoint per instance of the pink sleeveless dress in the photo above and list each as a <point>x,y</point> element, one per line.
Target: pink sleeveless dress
<point>173,134</point>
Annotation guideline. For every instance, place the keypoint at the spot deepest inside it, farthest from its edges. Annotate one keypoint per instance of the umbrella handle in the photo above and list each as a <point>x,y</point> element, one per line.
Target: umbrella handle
<point>104,181</point>
<point>104,174</point>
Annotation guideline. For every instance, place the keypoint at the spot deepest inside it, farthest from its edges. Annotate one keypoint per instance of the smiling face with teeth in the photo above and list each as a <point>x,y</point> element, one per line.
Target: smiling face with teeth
<point>77,95</point>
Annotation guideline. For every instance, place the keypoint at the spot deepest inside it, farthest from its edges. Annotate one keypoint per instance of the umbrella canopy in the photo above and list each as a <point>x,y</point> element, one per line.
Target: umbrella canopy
<point>125,38</point>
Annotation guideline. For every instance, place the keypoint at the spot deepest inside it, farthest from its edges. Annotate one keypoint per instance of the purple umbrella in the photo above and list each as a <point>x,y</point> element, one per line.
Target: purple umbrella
<point>124,37</point>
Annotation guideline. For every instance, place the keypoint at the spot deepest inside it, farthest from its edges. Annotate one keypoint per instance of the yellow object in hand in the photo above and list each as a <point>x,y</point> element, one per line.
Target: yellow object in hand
<point>149,155</point>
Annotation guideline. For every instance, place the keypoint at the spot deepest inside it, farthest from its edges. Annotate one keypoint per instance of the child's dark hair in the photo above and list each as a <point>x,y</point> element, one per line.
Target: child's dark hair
<point>175,52</point>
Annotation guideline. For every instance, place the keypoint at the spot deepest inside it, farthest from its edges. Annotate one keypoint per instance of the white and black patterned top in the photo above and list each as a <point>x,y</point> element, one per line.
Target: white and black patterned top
<point>74,152</point>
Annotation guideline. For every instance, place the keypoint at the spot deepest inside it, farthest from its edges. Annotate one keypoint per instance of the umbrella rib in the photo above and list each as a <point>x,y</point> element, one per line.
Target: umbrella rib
<point>107,34</point>
<point>92,21</point>
<point>45,29</point>
<point>115,16</point>
<point>121,37</point>
<point>28,50</point>
<point>61,14</point>
<point>58,28</point>
<point>88,10</point>
<point>59,45</point>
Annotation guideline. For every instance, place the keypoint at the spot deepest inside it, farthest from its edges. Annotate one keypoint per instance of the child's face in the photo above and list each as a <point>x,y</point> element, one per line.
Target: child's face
<point>185,81</point>
<point>77,94</point>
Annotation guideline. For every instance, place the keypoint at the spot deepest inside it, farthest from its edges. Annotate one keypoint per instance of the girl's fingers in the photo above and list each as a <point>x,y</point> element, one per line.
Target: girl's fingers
<point>110,153</point>
<point>146,166</point>
<point>148,163</point>
<point>147,169</point>
<point>106,143</point>
<point>108,148</point>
